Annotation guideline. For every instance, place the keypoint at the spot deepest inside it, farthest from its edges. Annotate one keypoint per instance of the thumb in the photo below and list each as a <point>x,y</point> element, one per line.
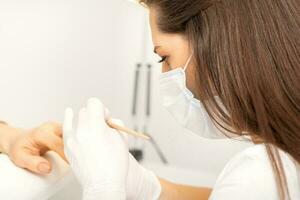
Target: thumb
<point>107,114</point>
<point>117,121</point>
<point>120,123</point>
<point>34,163</point>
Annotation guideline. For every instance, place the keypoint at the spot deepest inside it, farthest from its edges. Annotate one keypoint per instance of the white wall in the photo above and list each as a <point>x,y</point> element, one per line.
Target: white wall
<point>57,53</point>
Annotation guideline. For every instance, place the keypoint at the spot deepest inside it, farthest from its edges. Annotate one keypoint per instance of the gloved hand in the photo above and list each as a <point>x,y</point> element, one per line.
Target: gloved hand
<point>97,153</point>
<point>141,184</point>
<point>100,159</point>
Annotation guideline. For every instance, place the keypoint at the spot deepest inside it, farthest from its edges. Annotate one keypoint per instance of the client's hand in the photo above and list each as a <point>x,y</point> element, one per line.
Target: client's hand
<point>26,147</point>
<point>97,153</point>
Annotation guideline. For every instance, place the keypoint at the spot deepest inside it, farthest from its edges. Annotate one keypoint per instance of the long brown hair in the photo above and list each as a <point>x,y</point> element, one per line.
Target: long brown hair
<point>247,52</point>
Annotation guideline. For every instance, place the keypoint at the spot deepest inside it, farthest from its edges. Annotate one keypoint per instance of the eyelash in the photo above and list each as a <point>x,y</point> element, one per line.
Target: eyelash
<point>164,58</point>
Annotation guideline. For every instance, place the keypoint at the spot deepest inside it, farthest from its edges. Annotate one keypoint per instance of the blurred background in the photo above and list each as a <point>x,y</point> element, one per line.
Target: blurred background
<point>58,53</point>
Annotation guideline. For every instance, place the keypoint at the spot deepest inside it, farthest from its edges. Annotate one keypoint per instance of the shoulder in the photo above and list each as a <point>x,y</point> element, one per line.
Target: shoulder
<point>249,175</point>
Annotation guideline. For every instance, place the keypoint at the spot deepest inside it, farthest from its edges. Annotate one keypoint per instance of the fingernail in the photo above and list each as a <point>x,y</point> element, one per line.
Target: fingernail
<point>44,168</point>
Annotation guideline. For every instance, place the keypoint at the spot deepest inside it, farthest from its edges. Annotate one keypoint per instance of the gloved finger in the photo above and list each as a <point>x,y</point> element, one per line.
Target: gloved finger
<point>107,114</point>
<point>96,112</point>
<point>117,121</point>
<point>120,123</point>
<point>68,124</point>
<point>82,123</point>
<point>34,163</point>
<point>71,148</point>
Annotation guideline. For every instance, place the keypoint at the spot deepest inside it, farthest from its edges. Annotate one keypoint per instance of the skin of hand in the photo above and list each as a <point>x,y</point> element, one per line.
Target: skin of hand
<point>27,147</point>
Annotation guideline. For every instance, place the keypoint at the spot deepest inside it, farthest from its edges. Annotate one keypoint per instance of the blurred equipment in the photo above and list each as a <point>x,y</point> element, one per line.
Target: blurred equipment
<point>137,149</point>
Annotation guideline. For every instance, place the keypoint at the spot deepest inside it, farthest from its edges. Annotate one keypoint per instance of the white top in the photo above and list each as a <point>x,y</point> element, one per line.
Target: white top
<point>249,176</point>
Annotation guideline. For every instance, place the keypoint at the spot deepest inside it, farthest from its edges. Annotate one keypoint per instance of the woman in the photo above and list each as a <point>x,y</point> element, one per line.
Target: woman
<point>241,59</point>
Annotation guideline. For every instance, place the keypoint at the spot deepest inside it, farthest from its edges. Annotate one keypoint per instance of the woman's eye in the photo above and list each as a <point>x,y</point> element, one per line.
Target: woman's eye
<point>162,59</point>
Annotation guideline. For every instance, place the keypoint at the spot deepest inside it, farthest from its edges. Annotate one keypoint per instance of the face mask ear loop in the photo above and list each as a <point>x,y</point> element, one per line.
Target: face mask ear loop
<point>188,62</point>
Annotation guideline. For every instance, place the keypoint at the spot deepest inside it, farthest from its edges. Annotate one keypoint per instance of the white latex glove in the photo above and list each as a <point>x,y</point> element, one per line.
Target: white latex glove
<point>99,157</point>
<point>141,184</point>
<point>97,153</point>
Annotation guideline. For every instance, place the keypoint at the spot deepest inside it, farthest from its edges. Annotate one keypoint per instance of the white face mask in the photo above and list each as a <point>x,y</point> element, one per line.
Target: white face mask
<point>180,102</point>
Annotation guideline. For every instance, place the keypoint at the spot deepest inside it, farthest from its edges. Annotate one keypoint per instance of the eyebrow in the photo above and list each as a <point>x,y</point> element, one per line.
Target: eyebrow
<point>155,49</point>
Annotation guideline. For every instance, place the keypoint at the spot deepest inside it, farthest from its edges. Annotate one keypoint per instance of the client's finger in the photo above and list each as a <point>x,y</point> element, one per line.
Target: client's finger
<point>34,163</point>
<point>51,142</point>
